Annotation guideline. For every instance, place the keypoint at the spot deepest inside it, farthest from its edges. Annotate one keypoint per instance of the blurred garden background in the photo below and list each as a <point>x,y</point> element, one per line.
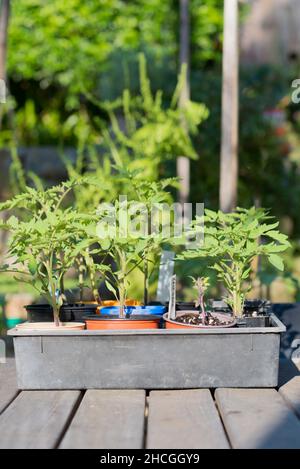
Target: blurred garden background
<point>96,83</point>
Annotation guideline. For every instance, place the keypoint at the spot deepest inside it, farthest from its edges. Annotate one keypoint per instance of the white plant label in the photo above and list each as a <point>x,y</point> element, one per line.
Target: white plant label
<point>172,302</point>
<point>166,270</point>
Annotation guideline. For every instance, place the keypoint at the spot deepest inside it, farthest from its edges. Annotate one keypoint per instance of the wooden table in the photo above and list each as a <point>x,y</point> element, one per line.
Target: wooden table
<point>125,419</point>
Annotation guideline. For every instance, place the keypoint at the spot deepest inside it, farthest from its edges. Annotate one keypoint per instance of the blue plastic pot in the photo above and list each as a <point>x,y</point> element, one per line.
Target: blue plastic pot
<point>154,310</point>
<point>115,310</point>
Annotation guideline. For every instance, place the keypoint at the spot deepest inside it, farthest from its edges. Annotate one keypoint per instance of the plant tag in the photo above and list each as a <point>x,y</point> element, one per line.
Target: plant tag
<point>166,270</point>
<point>172,301</point>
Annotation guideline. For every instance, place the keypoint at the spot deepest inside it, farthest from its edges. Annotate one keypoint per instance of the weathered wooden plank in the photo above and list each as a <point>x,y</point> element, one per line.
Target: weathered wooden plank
<point>108,419</point>
<point>291,394</point>
<point>36,419</point>
<point>258,418</point>
<point>184,419</point>
<point>8,383</point>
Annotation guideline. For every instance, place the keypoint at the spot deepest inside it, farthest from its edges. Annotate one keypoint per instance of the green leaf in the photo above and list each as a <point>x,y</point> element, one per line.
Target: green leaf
<point>282,238</point>
<point>13,222</point>
<point>111,288</point>
<point>105,244</point>
<point>276,261</point>
<point>210,213</point>
<point>32,266</point>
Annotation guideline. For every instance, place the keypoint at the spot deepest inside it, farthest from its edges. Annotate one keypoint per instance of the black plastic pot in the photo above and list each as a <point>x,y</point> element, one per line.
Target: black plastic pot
<point>39,313</point>
<point>186,306</point>
<point>219,306</point>
<point>254,321</point>
<point>76,311</point>
<point>252,308</point>
<point>68,312</point>
<point>259,307</point>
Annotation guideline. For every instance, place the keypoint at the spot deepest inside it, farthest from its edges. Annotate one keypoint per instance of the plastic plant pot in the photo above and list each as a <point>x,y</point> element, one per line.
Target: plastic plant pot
<point>76,311</point>
<point>153,310</point>
<point>68,312</point>
<point>114,310</point>
<point>39,313</point>
<point>173,324</point>
<point>117,303</point>
<point>88,303</point>
<point>186,306</point>
<point>50,326</point>
<point>110,322</point>
<point>108,303</point>
<point>219,306</point>
<point>256,307</point>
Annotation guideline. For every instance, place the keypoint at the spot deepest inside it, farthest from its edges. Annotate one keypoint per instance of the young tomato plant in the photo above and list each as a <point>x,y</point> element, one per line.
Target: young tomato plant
<point>112,239</point>
<point>128,241</point>
<point>153,207</point>
<point>201,284</point>
<point>232,241</point>
<point>43,240</point>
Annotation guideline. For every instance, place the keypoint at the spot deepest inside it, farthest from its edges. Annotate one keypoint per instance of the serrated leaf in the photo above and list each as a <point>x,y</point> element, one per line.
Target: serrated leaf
<point>282,238</point>
<point>32,266</point>
<point>276,261</point>
<point>111,288</point>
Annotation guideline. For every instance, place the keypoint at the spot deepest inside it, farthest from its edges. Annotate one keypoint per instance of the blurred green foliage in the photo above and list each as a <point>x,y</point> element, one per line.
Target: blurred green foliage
<point>142,137</point>
<point>60,51</point>
<point>68,42</point>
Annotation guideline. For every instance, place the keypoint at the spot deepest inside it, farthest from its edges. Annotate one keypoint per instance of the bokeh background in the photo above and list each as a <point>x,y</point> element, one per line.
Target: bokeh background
<point>82,74</point>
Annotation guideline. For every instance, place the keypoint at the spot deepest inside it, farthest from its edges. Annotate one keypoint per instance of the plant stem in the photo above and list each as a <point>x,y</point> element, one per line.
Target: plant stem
<point>122,280</point>
<point>122,299</point>
<point>146,281</point>
<point>202,306</point>
<point>81,270</point>
<point>237,295</point>
<point>56,314</point>
<point>94,287</point>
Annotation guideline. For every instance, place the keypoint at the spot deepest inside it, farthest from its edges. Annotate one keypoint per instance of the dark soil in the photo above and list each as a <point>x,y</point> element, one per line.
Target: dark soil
<point>195,319</point>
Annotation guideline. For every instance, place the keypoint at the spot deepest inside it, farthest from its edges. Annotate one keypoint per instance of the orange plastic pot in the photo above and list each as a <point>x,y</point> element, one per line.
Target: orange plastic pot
<point>117,303</point>
<point>108,303</point>
<point>173,324</point>
<point>122,324</point>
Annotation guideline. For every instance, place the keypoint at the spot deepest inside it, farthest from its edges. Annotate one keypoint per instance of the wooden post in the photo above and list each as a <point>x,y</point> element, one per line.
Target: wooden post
<point>183,163</point>
<point>229,146</point>
<point>4,16</point>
